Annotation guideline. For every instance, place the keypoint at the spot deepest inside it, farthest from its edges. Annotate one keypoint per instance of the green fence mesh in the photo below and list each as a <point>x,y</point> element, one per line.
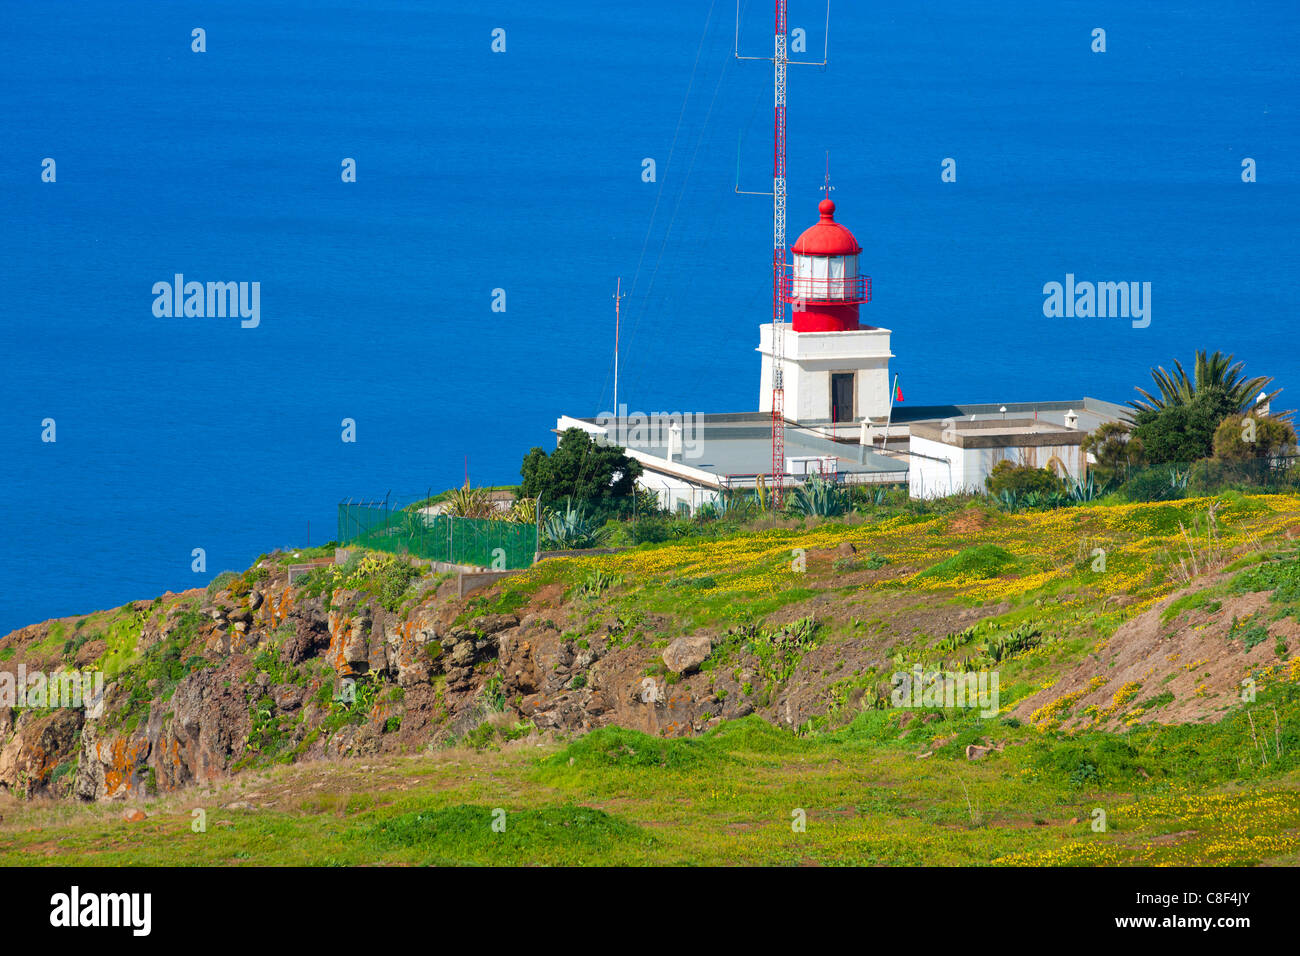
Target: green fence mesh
<point>1207,477</point>
<point>479,542</point>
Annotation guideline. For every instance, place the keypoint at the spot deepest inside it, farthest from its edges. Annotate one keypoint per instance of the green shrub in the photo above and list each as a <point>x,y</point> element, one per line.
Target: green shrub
<point>1281,577</point>
<point>1158,483</point>
<point>221,582</point>
<point>1022,480</point>
<point>1251,636</point>
<point>1092,759</point>
<point>980,561</point>
<point>619,747</point>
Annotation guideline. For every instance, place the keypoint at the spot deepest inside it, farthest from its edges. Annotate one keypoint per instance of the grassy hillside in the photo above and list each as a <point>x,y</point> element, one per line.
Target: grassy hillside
<point>1147,666</point>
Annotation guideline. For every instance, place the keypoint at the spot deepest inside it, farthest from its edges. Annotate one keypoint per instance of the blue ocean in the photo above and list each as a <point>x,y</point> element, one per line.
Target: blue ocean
<point>523,170</point>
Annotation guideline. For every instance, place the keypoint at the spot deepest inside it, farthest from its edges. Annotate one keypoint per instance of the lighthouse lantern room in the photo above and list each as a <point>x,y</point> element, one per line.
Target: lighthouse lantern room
<point>836,370</point>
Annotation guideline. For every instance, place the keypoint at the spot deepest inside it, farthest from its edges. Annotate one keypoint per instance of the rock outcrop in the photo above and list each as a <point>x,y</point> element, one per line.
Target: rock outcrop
<point>261,672</point>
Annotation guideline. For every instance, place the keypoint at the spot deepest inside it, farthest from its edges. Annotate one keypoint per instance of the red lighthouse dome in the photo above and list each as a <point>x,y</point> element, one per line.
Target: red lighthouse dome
<point>823,285</point>
<point>828,237</point>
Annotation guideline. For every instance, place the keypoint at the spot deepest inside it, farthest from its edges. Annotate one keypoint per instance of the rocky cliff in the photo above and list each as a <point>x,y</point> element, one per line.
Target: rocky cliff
<point>204,683</point>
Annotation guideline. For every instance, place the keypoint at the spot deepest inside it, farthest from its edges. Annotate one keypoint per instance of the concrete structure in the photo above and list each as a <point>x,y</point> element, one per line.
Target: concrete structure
<point>689,460</point>
<point>956,456</point>
<point>835,370</point>
<point>840,377</point>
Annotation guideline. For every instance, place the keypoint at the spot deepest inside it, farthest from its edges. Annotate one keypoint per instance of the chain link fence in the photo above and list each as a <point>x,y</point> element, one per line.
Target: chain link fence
<point>479,542</point>
<point>1209,476</point>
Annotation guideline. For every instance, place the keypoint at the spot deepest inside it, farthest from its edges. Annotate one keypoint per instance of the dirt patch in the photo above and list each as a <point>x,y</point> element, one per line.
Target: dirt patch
<point>970,520</point>
<point>1189,669</point>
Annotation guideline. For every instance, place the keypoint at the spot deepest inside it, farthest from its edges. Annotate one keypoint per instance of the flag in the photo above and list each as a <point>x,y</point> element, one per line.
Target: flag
<point>898,392</point>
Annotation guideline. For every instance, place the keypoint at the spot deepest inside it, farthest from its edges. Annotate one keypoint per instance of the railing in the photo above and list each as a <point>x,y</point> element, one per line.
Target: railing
<point>841,290</point>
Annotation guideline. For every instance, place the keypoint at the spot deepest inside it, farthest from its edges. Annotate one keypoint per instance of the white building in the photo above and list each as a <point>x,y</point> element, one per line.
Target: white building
<point>954,456</point>
<point>842,420</point>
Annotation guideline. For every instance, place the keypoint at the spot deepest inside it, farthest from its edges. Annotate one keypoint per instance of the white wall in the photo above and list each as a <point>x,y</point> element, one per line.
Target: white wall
<point>928,478</point>
<point>811,358</point>
<point>970,466</point>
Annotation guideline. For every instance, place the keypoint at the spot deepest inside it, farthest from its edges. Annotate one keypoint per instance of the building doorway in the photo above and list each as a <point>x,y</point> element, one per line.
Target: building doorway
<point>841,396</point>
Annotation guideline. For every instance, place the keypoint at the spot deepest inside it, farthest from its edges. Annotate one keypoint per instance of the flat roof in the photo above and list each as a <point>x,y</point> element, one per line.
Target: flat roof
<point>1092,412</point>
<point>997,433</point>
<point>740,444</point>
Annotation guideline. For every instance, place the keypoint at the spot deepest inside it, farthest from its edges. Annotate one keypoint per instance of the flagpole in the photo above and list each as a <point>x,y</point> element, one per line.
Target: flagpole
<point>893,390</point>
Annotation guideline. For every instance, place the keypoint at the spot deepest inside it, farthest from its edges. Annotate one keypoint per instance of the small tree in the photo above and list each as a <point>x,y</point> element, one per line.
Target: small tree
<point>580,469</point>
<point>1115,448</point>
<point>1183,432</point>
<point>1242,437</point>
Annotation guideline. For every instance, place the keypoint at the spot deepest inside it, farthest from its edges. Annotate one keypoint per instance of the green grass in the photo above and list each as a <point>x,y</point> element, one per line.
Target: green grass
<point>617,797</point>
<point>981,561</point>
<point>121,634</point>
<point>1282,577</point>
<point>462,833</point>
<point>1205,598</point>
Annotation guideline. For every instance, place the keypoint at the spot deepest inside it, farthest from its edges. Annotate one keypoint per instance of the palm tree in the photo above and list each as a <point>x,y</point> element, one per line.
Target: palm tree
<point>1213,371</point>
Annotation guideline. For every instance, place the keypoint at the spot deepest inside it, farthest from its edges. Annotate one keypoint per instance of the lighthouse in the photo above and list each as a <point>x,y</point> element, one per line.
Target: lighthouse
<point>836,370</point>
<point>823,286</point>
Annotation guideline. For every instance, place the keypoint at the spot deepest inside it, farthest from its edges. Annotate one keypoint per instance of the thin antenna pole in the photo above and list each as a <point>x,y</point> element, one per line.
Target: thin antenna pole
<point>618,296</point>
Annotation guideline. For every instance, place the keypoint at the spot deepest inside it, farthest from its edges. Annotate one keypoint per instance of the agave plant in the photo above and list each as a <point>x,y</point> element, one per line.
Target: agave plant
<point>524,511</point>
<point>571,529</point>
<point>819,497</point>
<point>598,582</point>
<point>1008,500</point>
<point>470,502</point>
<point>1082,492</point>
<point>728,504</point>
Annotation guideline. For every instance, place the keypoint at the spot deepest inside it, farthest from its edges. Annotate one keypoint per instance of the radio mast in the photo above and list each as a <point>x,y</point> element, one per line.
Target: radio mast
<point>779,63</point>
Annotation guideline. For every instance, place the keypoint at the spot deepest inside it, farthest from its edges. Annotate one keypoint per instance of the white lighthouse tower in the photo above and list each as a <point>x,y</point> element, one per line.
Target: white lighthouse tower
<point>836,370</point>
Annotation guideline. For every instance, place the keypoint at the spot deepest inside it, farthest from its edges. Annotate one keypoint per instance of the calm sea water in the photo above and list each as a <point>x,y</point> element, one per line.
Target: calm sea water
<point>522,171</point>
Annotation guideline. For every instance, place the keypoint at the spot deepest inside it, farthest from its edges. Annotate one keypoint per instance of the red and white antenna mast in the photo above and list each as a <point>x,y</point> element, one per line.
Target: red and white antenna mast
<point>779,63</point>
<point>778,258</point>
